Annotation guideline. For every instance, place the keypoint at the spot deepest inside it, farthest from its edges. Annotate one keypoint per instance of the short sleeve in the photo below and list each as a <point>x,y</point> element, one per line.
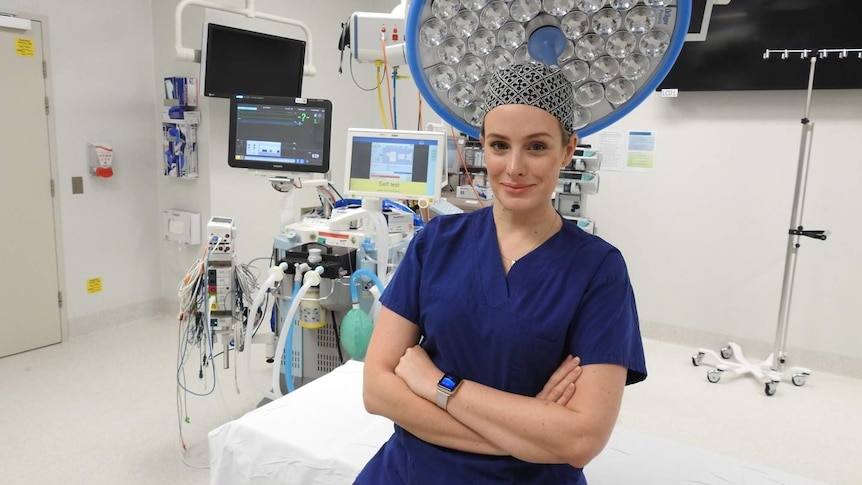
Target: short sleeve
<point>608,330</point>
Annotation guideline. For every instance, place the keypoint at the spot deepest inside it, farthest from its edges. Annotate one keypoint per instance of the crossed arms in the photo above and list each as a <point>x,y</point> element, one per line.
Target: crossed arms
<point>559,425</point>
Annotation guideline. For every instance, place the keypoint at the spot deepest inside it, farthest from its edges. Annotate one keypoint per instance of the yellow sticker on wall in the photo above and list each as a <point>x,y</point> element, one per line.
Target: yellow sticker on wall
<point>94,285</point>
<point>25,47</point>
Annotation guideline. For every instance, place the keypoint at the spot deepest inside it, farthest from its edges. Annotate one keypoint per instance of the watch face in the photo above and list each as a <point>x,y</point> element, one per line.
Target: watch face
<point>449,382</point>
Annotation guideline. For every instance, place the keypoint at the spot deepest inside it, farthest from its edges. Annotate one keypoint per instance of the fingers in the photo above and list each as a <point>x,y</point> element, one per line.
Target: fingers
<point>569,364</point>
<point>565,388</point>
<point>567,394</point>
<point>571,387</point>
<point>557,386</point>
<point>559,375</point>
<point>575,374</point>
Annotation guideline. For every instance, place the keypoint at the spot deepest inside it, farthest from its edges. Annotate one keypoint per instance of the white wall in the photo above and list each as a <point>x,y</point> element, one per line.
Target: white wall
<point>101,70</point>
<point>185,194</point>
<point>705,233</point>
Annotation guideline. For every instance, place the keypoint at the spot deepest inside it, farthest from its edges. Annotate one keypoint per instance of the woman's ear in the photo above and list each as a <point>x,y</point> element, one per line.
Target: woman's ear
<point>570,149</point>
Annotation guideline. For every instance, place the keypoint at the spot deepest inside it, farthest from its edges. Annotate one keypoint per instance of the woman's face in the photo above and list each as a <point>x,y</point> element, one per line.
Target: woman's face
<point>524,152</point>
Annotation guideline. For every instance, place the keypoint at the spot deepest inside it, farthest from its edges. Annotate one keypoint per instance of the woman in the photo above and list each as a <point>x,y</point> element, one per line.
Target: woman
<point>501,299</point>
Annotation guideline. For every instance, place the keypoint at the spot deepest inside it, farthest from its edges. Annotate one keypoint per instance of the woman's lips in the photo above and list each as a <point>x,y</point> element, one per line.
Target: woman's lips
<point>516,188</point>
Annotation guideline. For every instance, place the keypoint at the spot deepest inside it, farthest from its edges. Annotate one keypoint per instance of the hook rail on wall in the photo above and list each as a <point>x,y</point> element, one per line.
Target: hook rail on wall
<point>821,53</point>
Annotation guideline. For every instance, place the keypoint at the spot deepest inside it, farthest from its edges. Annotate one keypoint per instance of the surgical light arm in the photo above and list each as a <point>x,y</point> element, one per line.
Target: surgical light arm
<point>704,24</point>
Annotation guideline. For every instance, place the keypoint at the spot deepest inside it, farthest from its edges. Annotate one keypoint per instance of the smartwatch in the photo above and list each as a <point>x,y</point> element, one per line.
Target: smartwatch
<point>447,386</point>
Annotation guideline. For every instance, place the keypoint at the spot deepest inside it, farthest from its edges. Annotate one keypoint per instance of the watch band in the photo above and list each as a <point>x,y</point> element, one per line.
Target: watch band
<point>446,387</point>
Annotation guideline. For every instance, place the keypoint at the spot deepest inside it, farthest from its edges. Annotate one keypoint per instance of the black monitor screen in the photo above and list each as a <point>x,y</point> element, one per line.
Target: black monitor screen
<point>286,134</point>
<point>731,57</point>
<point>236,61</point>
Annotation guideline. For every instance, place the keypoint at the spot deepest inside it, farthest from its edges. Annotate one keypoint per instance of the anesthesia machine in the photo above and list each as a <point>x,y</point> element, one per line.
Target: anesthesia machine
<point>328,267</point>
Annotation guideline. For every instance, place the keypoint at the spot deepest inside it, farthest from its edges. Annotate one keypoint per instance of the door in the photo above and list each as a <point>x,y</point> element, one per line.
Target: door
<point>29,280</point>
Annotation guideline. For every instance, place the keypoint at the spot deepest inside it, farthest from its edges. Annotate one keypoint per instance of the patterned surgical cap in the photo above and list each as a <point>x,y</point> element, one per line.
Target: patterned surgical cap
<point>534,84</point>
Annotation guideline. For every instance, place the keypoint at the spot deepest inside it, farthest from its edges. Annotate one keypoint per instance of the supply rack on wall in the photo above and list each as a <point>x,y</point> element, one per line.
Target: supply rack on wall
<point>180,120</point>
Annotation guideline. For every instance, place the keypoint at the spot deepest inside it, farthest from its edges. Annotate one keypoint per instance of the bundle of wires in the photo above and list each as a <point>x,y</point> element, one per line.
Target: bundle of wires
<point>246,284</point>
<point>195,335</point>
<point>193,332</point>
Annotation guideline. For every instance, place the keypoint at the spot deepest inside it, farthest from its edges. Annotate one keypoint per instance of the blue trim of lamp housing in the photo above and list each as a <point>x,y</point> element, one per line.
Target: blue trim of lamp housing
<point>414,18</point>
<point>677,39</point>
<point>414,23</point>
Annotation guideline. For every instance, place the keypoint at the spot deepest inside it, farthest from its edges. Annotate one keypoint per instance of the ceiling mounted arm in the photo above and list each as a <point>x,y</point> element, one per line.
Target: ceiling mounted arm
<point>188,54</point>
<point>704,24</point>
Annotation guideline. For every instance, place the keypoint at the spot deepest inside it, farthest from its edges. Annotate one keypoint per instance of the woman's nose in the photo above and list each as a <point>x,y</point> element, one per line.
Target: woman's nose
<point>515,164</point>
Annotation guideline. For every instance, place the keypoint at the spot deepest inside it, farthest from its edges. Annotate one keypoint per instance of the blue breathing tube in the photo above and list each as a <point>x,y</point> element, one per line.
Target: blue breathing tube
<point>288,345</point>
<point>354,293</point>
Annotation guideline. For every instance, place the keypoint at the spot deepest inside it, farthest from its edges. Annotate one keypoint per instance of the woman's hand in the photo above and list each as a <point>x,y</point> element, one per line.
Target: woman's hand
<point>418,371</point>
<point>561,386</point>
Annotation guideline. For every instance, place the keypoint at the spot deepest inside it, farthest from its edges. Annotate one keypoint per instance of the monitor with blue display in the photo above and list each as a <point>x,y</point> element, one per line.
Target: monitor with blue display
<point>395,164</point>
<point>283,134</point>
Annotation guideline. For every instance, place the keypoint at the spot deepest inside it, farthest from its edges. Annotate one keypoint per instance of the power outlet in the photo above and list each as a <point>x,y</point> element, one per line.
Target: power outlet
<point>77,185</point>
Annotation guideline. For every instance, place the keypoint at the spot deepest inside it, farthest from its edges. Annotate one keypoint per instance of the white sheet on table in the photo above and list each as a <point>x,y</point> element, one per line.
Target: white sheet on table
<point>321,435</point>
<point>318,435</point>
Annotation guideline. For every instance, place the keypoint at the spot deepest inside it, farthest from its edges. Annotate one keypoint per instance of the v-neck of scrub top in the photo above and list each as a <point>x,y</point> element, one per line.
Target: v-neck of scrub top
<point>498,287</point>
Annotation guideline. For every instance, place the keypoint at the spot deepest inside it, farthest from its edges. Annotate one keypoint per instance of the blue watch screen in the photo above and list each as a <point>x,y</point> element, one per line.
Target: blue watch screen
<point>448,382</point>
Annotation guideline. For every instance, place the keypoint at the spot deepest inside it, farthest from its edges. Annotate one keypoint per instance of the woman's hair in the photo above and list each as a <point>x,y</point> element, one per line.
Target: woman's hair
<point>534,84</point>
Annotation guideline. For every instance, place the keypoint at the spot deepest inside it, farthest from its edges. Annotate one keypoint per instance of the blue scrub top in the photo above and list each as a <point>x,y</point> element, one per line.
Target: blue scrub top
<point>571,295</point>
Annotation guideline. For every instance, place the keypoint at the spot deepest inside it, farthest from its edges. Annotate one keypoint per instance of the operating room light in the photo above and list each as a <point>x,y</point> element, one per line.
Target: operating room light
<point>614,52</point>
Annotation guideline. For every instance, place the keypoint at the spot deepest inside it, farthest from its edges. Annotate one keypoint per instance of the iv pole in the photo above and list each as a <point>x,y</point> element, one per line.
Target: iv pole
<point>796,230</point>
<point>769,371</point>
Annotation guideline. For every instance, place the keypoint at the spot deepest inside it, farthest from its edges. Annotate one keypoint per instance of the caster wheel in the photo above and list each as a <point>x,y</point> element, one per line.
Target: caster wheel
<point>799,379</point>
<point>713,375</point>
<point>770,387</point>
<point>696,359</point>
<point>726,352</point>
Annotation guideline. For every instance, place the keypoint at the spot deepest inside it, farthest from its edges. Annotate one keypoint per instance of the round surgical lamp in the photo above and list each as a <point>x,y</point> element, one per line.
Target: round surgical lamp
<point>614,52</point>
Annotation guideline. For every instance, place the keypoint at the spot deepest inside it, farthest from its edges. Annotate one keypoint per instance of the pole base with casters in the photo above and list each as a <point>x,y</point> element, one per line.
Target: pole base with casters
<point>731,359</point>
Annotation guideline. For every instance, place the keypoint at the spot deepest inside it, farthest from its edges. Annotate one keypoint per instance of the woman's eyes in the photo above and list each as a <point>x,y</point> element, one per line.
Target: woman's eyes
<point>498,145</point>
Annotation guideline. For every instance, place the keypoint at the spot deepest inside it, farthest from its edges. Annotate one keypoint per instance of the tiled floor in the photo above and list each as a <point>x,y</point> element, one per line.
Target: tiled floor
<point>101,409</point>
